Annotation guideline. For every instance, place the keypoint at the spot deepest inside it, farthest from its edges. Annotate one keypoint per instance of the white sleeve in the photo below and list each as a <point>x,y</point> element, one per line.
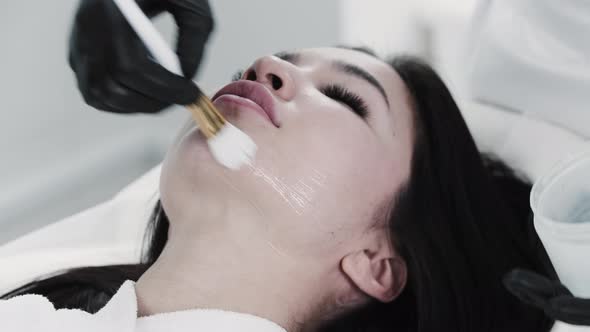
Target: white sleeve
<point>531,57</point>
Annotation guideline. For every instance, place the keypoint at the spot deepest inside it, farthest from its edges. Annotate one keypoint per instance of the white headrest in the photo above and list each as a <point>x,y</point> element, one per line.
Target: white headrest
<point>109,233</point>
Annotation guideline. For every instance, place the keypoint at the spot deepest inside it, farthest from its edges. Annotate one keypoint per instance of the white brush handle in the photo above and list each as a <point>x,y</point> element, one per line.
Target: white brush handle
<point>152,39</point>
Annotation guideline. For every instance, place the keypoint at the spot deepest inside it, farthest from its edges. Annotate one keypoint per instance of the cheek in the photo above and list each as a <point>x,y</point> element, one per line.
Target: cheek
<point>319,177</point>
<point>353,165</point>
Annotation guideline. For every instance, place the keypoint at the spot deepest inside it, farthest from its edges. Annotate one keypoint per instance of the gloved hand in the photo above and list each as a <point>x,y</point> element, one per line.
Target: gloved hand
<point>114,69</point>
<point>548,295</point>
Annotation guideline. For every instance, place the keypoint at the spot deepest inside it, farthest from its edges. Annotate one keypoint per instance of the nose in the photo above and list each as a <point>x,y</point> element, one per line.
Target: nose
<point>275,74</point>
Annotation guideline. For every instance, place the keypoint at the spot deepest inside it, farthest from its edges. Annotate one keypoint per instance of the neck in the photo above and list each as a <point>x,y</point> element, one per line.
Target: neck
<point>220,270</point>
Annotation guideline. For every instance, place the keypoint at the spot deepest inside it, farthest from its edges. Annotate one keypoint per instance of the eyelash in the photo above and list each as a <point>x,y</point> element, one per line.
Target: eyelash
<point>335,92</point>
<point>341,94</point>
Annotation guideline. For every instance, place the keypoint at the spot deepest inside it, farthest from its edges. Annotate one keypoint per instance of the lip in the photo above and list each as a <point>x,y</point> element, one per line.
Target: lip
<point>255,92</point>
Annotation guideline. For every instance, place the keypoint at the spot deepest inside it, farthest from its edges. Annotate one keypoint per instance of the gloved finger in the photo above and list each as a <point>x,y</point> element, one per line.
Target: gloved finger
<point>92,97</point>
<point>195,23</point>
<point>151,8</point>
<point>190,49</point>
<point>570,310</point>
<point>90,47</point>
<point>91,23</point>
<point>120,99</point>
<point>151,79</point>
<point>88,76</point>
<point>90,35</point>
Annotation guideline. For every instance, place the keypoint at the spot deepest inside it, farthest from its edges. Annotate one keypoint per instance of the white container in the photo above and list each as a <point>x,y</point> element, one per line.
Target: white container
<point>561,203</point>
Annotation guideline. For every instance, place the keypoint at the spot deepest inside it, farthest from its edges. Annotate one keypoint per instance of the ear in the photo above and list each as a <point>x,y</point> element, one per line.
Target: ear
<point>380,276</point>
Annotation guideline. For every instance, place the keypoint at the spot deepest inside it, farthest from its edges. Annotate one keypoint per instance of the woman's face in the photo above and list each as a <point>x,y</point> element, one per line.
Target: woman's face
<point>337,148</point>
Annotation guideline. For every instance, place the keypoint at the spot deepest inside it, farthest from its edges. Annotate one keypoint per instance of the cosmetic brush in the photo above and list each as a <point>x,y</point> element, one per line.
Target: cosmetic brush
<point>229,146</point>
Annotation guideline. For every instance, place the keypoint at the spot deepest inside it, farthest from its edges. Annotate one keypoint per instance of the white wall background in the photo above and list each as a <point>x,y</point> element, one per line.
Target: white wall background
<point>436,30</point>
<point>59,156</point>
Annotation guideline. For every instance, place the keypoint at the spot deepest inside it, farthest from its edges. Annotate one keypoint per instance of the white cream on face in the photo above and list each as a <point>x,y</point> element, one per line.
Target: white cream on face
<point>298,196</point>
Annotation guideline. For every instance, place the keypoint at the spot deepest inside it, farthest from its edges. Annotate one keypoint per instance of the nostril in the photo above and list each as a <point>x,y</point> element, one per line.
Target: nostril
<point>251,75</point>
<point>276,81</point>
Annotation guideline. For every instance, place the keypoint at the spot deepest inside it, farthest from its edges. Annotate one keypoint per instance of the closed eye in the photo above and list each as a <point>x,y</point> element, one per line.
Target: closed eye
<point>341,94</point>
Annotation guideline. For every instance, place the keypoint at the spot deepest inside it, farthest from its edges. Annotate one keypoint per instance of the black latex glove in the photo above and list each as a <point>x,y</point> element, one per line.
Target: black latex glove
<point>548,295</point>
<point>115,71</point>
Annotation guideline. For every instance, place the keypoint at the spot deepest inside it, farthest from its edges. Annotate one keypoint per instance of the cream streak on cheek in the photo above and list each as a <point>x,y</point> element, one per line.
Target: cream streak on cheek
<point>298,196</point>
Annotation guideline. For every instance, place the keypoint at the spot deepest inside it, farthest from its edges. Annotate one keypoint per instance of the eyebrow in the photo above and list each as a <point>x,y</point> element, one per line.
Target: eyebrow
<point>356,71</point>
<point>343,67</point>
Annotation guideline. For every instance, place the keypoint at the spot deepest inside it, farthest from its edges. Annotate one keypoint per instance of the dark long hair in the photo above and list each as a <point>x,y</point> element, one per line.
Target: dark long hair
<point>461,222</point>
